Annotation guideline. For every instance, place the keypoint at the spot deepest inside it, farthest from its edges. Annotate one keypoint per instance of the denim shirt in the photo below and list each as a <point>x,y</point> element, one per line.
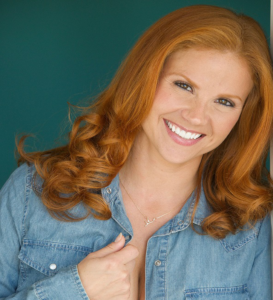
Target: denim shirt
<point>39,254</point>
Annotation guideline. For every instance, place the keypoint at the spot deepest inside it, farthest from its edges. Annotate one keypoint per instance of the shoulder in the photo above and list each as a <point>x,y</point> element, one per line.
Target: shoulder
<point>18,190</point>
<point>19,181</point>
<point>14,197</point>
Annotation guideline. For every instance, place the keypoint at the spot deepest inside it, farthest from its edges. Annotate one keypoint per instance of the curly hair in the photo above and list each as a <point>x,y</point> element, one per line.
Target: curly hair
<point>233,175</point>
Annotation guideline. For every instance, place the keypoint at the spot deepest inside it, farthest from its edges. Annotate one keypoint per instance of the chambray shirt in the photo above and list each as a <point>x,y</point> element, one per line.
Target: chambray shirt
<point>39,254</point>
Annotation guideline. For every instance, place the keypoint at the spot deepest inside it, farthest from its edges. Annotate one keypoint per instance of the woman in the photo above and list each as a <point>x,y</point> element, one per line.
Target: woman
<point>169,163</point>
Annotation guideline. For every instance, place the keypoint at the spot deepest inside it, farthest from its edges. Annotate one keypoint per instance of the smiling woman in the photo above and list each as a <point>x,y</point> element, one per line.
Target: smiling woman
<point>199,98</point>
<point>169,162</point>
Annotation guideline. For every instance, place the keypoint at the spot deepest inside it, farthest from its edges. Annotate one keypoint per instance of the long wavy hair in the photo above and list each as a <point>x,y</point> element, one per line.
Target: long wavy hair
<point>233,175</point>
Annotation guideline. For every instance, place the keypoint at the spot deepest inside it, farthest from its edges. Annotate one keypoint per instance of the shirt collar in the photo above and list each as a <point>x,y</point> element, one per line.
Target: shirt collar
<point>112,194</point>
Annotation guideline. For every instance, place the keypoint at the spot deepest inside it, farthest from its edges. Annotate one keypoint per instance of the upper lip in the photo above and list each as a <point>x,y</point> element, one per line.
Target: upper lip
<point>183,128</point>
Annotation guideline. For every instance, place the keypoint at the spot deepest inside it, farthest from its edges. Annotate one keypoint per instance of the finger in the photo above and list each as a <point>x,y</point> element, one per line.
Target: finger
<point>126,254</point>
<point>131,265</point>
<point>111,248</point>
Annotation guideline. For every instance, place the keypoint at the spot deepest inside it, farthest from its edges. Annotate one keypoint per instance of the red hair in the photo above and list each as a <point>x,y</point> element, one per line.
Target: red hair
<point>101,139</point>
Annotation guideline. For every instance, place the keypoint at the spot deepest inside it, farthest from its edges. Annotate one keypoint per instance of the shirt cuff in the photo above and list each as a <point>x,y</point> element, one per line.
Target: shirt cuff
<point>66,284</point>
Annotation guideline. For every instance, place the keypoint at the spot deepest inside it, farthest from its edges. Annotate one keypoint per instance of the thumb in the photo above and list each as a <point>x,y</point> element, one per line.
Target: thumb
<point>117,245</point>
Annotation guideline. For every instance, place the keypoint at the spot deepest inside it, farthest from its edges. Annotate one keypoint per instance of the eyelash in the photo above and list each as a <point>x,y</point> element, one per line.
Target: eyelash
<point>230,103</point>
<point>186,87</point>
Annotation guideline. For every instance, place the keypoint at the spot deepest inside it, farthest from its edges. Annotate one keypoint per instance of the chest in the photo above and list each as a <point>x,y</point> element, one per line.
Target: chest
<point>137,277</point>
<point>174,265</point>
<point>143,229</point>
<point>140,240</point>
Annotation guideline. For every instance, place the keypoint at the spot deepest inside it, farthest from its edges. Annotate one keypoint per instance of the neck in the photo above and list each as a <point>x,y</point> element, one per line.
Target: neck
<point>150,181</point>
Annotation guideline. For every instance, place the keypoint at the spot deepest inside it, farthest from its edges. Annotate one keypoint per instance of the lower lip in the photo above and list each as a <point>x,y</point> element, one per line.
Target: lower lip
<point>179,140</point>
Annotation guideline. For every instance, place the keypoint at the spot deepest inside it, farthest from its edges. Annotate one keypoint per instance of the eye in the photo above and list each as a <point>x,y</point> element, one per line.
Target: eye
<point>225,102</point>
<point>184,86</point>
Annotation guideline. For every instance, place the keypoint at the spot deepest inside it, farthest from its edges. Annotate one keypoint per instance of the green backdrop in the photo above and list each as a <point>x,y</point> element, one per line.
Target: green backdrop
<point>55,51</point>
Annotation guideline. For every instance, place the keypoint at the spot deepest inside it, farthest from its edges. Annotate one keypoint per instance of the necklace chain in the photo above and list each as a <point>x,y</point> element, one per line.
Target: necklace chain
<point>147,221</point>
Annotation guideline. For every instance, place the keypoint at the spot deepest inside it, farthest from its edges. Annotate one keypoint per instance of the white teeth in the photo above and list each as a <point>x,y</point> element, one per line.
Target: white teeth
<point>196,136</point>
<point>188,135</point>
<point>183,133</point>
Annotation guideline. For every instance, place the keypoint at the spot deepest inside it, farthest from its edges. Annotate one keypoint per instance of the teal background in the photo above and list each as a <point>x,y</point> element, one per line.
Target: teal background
<point>55,51</point>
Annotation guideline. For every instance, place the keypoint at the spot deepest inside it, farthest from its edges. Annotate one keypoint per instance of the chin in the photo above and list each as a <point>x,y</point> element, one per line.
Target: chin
<point>182,160</point>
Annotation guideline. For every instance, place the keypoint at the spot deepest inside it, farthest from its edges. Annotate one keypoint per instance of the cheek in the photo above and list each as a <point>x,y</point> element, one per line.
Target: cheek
<point>166,101</point>
<point>161,96</point>
<point>225,124</point>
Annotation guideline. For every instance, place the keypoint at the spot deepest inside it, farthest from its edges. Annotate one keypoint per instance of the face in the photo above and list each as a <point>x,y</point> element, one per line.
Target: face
<point>199,99</point>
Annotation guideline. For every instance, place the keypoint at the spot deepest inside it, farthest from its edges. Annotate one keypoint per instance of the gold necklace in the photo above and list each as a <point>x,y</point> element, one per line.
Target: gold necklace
<point>147,221</point>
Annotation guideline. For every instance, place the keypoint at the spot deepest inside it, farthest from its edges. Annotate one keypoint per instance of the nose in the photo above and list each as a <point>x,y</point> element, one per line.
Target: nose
<point>196,113</point>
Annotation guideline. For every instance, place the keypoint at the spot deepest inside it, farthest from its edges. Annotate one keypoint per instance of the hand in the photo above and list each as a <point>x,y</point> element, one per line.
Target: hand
<point>105,274</point>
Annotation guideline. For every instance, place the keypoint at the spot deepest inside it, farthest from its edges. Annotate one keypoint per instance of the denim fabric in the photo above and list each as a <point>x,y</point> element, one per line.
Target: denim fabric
<point>39,254</point>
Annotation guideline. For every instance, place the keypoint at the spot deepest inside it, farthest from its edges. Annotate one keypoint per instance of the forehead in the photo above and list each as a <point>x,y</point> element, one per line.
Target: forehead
<point>212,55</point>
<point>187,59</point>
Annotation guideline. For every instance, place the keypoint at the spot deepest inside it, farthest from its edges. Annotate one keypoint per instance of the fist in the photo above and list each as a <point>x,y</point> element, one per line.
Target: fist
<point>105,274</point>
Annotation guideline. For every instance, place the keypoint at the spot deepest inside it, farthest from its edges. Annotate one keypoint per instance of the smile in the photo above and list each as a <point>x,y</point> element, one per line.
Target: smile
<point>182,133</point>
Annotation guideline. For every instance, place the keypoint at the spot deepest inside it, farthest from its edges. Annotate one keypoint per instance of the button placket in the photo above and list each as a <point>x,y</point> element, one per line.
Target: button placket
<point>156,254</point>
<point>158,263</point>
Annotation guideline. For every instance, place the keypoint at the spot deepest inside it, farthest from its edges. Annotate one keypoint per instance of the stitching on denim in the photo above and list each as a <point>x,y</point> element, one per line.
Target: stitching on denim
<point>240,244</point>
<point>181,225</point>
<point>27,192</point>
<point>78,283</point>
<point>35,263</point>
<point>217,290</point>
<point>37,266</point>
<point>39,293</point>
<point>23,271</point>
<point>165,269</point>
<point>37,188</point>
<point>120,223</point>
<point>59,246</point>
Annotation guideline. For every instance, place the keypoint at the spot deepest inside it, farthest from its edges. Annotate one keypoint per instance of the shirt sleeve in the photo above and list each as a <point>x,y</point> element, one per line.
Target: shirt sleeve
<point>260,281</point>
<point>65,284</point>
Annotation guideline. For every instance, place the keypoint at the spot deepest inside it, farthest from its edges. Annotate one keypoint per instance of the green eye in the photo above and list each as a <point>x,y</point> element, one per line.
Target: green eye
<point>184,86</point>
<point>225,102</point>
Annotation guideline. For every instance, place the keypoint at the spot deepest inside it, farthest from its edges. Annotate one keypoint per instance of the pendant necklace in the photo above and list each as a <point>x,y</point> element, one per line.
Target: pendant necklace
<point>147,221</point>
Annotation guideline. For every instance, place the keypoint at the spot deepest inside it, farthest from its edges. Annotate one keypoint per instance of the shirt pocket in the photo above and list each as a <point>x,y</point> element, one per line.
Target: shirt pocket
<point>40,259</point>
<point>219,293</point>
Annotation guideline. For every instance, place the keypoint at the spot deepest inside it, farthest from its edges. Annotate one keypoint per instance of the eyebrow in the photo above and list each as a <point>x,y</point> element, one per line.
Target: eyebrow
<point>197,86</point>
<point>187,78</point>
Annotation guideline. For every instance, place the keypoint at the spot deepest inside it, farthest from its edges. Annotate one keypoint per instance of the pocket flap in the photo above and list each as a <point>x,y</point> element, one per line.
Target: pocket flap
<point>49,257</point>
<point>217,293</point>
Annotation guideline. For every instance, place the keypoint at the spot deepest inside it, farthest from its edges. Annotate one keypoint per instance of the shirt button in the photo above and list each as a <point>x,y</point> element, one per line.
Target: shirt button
<point>127,237</point>
<point>108,190</point>
<point>52,267</point>
<point>158,263</point>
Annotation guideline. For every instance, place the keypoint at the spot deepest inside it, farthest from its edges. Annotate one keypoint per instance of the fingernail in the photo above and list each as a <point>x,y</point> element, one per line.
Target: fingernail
<point>118,238</point>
